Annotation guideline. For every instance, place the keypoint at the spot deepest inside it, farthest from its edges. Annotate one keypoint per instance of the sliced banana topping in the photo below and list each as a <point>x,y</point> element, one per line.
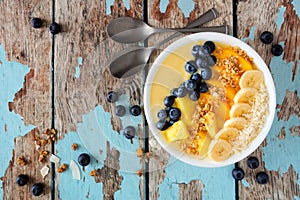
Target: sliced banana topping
<point>252,79</point>
<point>239,109</point>
<point>245,95</point>
<point>237,122</point>
<point>220,150</point>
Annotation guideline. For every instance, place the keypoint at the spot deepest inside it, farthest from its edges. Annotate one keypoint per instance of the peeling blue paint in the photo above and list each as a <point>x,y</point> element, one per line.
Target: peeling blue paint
<point>186,6</point>
<point>280,17</point>
<point>296,198</point>
<point>296,5</point>
<point>11,81</point>
<point>251,35</point>
<point>210,177</point>
<point>77,68</point>
<point>96,129</point>
<point>111,2</point>
<point>245,183</point>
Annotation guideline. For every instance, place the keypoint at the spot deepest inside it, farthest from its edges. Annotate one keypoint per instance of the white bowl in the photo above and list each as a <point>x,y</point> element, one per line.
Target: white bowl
<point>173,148</point>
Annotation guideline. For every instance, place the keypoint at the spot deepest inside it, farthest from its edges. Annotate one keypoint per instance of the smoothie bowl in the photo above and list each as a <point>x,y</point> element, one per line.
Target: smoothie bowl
<point>209,99</point>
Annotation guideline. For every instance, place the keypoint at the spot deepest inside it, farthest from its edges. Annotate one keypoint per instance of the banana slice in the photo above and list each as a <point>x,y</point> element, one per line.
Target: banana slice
<point>252,78</point>
<point>245,95</point>
<point>237,122</point>
<point>227,133</point>
<point>239,109</point>
<point>220,150</point>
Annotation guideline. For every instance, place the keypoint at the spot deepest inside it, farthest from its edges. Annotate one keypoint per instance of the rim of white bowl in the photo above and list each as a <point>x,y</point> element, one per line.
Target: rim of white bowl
<point>227,40</point>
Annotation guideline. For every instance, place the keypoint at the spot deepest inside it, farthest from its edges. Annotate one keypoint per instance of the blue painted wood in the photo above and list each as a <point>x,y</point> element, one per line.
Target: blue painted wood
<point>11,125</point>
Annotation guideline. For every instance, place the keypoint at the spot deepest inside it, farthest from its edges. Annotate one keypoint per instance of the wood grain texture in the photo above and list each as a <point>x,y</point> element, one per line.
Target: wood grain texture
<point>84,36</point>
<point>278,17</point>
<point>174,17</point>
<point>31,47</point>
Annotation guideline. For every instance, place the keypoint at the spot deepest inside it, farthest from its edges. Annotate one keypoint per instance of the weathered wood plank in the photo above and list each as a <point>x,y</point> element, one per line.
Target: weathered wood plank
<point>277,154</point>
<point>80,96</point>
<point>25,94</point>
<point>173,179</point>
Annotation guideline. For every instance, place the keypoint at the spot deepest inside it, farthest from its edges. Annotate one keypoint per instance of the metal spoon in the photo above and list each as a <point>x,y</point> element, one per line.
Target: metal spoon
<point>130,30</point>
<point>130,61</point>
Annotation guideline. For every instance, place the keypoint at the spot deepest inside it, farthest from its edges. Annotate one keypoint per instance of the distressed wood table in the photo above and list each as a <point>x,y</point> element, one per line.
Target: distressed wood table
<point>60,82</point>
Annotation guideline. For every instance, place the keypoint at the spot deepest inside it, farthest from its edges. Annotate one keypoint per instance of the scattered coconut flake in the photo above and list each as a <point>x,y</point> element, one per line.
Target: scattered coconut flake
<point>44,171</point>
<point>75,170</point>
<point>54,159</point>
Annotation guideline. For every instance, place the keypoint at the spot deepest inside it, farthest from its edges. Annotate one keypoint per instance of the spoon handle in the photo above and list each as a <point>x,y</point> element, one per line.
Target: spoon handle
<point>219,29</point>
<point>206,17</point>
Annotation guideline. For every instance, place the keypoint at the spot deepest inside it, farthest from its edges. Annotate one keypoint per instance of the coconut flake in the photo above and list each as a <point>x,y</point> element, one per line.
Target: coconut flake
<point>44,171</point>
<point>75,170</point>
<point>54,159</point>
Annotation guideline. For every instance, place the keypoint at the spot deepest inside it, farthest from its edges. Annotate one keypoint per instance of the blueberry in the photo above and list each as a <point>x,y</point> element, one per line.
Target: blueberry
<point>181,92</point>
<point>262,178</point>
<point>37,189</point>
<point>203,87</point>
<point>129,132</point>
<point>36,23</point>
<point>190,85</point>
<point>120,110</point>
<point>202,52</point>
<point>135,110</point>
<point>206,73</point>
<point>171,122</point>
<point>266,37</point>
<point>253,162</point>
<point>162,114</point>
<point>112,97</point>
<point>277,50</point>
<point>196,77</point>
<point>173,92</point>
<point>201,63</point>
<point>84,159</point>
<point>174,114</point>
<point>211,60</point>
<point>162,125</point>
<point>169,101</point>
<point>54,28</point>
<point>209,46</point>
<point>195,50</point>
<point>194,95</point>
<point>22,179</point>
<point>238,173</point>
<point>190,67</point>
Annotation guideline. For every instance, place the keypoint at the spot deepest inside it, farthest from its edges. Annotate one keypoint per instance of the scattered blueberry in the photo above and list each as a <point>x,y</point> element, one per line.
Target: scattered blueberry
<point>36,23</point>
<point>195,50</point>
<point>201,63</point>
<point>190,85</point>
<point>203,87</point>
<point>169,100</point>
<point>129,132</point>
<point>181,92</point>
<point>162,114</point>
<point>262,178</point>
<point>22,179</point>
<point>37,189</point>
<point>253,162</point>
<point>266,37</point>
<point>190,67</point>
<point>135,110</point>
<point>196,77</point>
<point>206,73</point>
<point>84,159</point>
<point>162,125</point>
<point>174,114</point>
<point>54,28</point>
<point>277,50</point>
<point>194,95</point>
<point>238,173</point>
<point>120,110</point>
<point>211,60</point>
<point>112,97</point>
<point>209,46</point>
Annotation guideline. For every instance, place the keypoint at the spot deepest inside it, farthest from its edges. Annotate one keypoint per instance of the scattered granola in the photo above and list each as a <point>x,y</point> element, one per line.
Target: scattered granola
<point>62,168</point>
<point>139,172</point>
<point>139,152</point>
<point>93,172</point>
<point>21,161</point>
<point>74,146</point>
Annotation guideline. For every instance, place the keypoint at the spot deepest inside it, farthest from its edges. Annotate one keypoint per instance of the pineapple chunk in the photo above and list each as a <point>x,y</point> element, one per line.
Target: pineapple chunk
<point>187,108</point>
<point>178,131</point>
